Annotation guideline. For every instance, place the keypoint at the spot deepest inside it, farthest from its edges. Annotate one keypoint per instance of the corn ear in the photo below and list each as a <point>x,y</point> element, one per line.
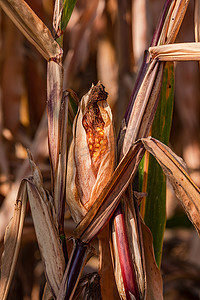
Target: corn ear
<point>91,155</point>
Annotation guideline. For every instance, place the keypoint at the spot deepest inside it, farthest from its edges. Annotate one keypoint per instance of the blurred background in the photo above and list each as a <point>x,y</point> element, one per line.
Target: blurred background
<point>105,40</point>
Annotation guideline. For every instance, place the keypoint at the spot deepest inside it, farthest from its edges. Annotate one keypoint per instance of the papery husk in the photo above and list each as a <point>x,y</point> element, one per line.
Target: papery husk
<point>127,251</point>
<point>140,242</point>
<point>83,185</point>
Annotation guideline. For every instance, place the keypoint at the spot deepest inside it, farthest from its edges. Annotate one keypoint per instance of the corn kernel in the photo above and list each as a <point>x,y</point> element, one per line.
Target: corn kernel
<point>95,154</point>
<point>101,133</point>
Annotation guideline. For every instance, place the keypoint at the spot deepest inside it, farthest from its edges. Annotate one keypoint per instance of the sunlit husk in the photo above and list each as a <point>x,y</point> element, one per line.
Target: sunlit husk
<point>83,184</point>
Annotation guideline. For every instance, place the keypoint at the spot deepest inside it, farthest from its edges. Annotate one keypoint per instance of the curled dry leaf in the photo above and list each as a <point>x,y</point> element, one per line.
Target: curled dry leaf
<point>92,152</point>
<point>12,241</point>
<point>46,232</point>
<point>174,168</point>
<point>176,52</point>
<point>32,27</point>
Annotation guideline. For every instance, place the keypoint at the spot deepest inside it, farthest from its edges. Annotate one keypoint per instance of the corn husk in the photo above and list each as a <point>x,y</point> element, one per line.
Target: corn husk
<point>91,155</point>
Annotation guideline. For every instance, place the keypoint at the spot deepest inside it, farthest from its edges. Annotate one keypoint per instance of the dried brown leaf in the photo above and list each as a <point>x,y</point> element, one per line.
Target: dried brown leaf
<point>12,241</point>
<point>144,107</point>
<point>173,167</point>
<point>176,52</point>
<point>175,20</point>
<point>32,27</point>
<point>154,290</point>
<point>46,232</point>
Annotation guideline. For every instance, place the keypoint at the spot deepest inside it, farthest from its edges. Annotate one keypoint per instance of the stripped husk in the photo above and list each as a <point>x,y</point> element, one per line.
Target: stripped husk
<point>91,155</point>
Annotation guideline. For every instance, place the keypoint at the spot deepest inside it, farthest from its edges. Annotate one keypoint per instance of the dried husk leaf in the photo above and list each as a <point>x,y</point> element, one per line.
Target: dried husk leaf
<point>46,232</point>
<point>143,104</point>
<point>176,52</point>
<point>32,27</point>
<point>154,285</point>
<point>104,206</point>
<point>135,239</point>
<point>128,256</point>
<point>141,111</point>
<point>173,21</point>
<point>144,107</point>
<point>86,176</point>
<point>173,167</point>
<point>12,241</point>
<point>116,264</point>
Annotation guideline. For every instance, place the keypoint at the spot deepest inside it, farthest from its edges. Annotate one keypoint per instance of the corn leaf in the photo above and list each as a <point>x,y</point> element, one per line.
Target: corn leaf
<point>174,168</point>
<point>155,209</point>
<point>176,52</point>
<point>46,231</point>
<point>12,241</point>
<point>32,27</point>
<point>66,14</point>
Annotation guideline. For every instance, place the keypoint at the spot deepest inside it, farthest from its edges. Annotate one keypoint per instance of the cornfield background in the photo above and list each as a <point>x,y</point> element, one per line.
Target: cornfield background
<point>104,40</point>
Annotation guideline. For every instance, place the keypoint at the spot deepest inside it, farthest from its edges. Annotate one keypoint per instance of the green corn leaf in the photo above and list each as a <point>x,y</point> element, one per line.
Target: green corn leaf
<point>155,208</point>
<point>67,11</point>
